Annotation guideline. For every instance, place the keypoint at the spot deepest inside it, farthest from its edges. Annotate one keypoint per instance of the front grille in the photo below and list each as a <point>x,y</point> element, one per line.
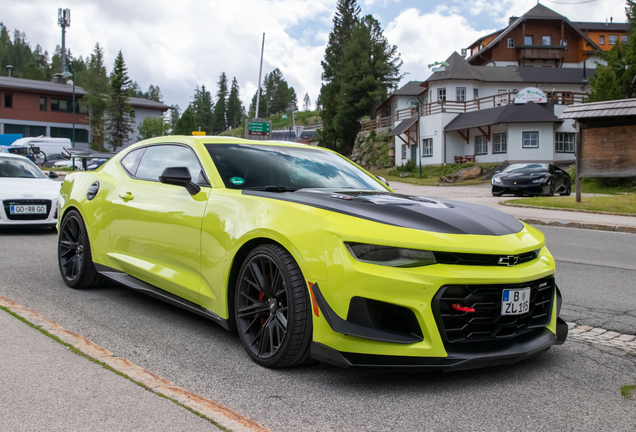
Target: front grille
<point>8,203</point>
<point>487,323</point>
<point>484,259</point>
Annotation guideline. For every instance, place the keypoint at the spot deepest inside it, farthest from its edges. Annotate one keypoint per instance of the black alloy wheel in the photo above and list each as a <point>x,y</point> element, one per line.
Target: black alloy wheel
<point>567,191</point>
<point>272,310</point>
<point>551,190</point>
<point>74,253</point>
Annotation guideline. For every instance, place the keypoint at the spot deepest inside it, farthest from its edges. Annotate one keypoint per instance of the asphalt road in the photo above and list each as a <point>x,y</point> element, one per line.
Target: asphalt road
<point>571,387</point>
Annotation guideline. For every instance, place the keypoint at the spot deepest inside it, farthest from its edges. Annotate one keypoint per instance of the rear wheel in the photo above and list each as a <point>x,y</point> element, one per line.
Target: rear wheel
<point>272,308</point>
<point>74,254</point>
<point>568,190</point>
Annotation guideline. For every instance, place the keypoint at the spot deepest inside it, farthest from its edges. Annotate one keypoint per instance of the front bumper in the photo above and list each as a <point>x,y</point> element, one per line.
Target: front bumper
<point>529,189</point>
<point>50,219</point>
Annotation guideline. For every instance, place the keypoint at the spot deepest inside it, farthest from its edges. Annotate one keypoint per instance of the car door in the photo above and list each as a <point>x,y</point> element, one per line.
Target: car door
<point>156,228</point>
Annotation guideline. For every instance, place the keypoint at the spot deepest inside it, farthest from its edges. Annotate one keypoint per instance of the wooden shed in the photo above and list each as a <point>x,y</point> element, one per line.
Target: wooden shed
<point>606,143</point>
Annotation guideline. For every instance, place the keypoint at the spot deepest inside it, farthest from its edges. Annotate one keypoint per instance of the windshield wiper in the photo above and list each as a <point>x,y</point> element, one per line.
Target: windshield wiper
<point>274,188</point>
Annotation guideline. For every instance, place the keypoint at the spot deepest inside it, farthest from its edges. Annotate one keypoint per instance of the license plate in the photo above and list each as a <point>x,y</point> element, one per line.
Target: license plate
<point>27,209</point>
<point>515,301</point>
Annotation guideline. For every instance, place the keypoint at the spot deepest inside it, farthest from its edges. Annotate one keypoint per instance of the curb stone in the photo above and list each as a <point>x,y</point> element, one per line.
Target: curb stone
<point>602,337</point>
<point>506,203</point>
<point>583,225</point>
<point>212,410</point>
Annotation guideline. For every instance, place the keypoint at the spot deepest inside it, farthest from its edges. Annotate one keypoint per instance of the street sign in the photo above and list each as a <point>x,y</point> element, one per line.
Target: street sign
<point>198,133</point>
<point>284,116</point>
<point>298,130</point>
<point>258,128</point>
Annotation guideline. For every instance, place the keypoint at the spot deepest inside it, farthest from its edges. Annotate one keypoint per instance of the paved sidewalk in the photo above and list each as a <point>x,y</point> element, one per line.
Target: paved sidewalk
<point>45,386</point>
<point>481,195</point>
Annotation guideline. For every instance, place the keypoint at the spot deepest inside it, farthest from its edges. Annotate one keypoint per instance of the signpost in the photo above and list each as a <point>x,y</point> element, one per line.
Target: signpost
<point>258,129</point>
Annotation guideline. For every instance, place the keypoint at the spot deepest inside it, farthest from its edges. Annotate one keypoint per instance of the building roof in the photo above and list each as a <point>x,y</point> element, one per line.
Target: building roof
<point>28,84</point>
<point>403,126</point>
<point>600,26</point>
<point>522,113</point>
<point>460,69</point>
<point>614,108</point>
<point>145,103</point>
<point>411,88</point>
<point>537,12</point>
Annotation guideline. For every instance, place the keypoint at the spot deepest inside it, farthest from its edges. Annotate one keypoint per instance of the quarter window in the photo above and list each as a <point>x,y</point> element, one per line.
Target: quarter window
<point>530,140</point>
<point>481,145</point>
<point>613,39</point>
<point>157,158</point>
<point>564,142</point>
<point>129,162</point>
<point>460,94</point>
<point>427,147</point>
<point>500,143</point>
<point>511,42</point>
<point>441,94</point>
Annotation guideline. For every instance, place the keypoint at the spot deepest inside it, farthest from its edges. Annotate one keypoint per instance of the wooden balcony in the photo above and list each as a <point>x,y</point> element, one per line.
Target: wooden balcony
<point>541,52</point>
<point>557,98</point>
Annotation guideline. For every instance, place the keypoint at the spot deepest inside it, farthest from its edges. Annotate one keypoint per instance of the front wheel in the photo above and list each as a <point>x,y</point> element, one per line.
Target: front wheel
<point>74,253</point>
<point>551,190</point>
<point>272,309</point>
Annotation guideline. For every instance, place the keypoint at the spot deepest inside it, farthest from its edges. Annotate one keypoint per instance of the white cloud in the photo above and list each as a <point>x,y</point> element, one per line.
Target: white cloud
<point>425,38</point>
<point>178,45</point>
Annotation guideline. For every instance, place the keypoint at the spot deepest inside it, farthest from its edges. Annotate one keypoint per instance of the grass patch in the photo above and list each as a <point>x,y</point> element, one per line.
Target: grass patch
<point>604,186</point>
<point>615,203</point>
<point>431,174</point>
<point>629,392</point>
<point>105,366</point>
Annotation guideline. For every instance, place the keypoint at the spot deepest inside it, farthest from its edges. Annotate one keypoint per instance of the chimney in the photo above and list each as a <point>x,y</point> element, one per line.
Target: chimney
<point>605,22</point>
<point>9,67</point>
<point>611,19</point>
<point>511,20</point>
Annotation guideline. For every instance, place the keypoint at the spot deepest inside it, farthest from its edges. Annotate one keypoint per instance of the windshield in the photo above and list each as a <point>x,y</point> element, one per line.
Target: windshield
<point>20,168</point>
<point>526,168</point>
<point>262,166</point>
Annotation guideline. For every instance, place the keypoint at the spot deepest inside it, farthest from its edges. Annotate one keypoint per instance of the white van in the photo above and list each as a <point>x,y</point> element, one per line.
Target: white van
<point>48,145</point>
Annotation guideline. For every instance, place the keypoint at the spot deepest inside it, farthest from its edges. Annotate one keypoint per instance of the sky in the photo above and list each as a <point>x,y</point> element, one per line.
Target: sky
<point>179,45</point>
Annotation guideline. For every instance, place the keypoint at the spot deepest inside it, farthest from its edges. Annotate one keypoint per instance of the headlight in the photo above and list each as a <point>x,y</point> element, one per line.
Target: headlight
<point>390,256</point>
<point>496,180</point>
<point>540,180</point>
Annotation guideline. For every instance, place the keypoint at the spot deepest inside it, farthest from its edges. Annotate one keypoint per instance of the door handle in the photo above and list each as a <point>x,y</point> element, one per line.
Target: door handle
<point>127,196</point>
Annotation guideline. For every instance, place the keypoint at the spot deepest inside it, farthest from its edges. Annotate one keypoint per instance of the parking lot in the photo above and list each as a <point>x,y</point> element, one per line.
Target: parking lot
<point>571,387</point>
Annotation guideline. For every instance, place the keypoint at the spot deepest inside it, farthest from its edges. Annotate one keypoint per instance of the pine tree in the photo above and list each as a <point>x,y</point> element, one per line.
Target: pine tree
<point>306,103</point>
<point>344,21</point>
<point>187,123</point>
<point>202,110</point>
<point>96,98</point>
<point>235,110</point>
<point>121,116</point>
<point>220,109</point>
<point>262,109</point>
<point>174,118</point>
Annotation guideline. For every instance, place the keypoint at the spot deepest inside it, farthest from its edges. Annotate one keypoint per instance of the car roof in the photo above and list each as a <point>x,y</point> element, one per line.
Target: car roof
<point>13,156</point>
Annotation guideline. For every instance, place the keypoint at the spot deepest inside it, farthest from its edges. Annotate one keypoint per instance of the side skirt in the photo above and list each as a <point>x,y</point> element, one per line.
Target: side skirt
<point>141,286</point>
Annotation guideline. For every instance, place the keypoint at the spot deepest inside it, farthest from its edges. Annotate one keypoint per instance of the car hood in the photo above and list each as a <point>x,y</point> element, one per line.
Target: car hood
<point>407,211</point>
<point>16,188</point>
<point>522,176</point>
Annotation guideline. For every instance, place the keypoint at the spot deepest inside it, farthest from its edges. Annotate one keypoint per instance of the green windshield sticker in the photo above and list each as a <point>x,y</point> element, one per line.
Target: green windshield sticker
<point>237,181</point>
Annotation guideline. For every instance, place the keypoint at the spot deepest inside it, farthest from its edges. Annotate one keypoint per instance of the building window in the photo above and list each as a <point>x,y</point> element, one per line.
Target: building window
<point>564,43</point>
<point>481,145</point>
<point>81,135</point>
<point>403,151</point>
<point>511,42</point>
<point>624,39</point>
<point>441,94</point>
<point>25,130</point>
<point>546,40</point>
<point>502,98</point>
<point>613,39</point>
<point>500,143</point>
<point>527,40</point>
<point>460,94</point>
<point>8,100</point>
<point>601,40</point>
<point>42,104</point>
<point>427,147</point>
<point>60,105</point>
<point>564,142</point>
<point>475,94</point>
<point>530,140</point>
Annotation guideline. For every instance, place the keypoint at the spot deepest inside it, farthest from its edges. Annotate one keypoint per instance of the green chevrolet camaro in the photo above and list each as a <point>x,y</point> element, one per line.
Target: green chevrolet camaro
<point>308,256</point>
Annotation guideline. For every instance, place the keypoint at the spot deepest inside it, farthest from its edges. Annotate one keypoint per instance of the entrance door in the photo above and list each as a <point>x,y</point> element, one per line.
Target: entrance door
<point>414,153</point>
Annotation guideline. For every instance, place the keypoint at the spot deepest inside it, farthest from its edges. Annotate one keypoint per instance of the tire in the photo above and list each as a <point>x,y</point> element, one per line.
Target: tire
<point>568,191</point>
<point>74,254</point>
<point>272,310</point>
<point>551,191</point>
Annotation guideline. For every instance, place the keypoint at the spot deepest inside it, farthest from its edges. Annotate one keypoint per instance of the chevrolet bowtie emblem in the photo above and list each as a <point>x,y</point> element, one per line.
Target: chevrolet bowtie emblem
<point>509,260</point>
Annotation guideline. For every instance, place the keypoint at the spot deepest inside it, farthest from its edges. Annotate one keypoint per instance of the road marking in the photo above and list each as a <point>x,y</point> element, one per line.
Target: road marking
<point>212,410</point>
<point>601,336</point>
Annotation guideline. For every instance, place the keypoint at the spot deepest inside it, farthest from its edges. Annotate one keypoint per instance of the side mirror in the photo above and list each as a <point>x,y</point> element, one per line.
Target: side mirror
<point>558,171</point>
<point>179,176</point>
<point>383,180</point>
<point>497,172</point>
<point>53,175</point>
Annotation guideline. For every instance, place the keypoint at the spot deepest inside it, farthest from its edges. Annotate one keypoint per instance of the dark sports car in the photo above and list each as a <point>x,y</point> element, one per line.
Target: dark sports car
<point>532,179</point>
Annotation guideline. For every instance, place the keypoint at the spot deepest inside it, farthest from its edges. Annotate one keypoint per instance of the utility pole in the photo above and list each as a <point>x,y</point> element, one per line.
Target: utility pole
<point>64,20</point>
<point>260,71</point>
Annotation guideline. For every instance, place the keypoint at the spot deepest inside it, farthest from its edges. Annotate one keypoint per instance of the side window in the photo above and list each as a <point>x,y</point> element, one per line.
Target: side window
<point>129,162</point>
<point>157,158</point>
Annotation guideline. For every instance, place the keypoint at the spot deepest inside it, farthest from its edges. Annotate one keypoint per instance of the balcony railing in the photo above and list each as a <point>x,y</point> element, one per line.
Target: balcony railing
<point>559,98</point>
